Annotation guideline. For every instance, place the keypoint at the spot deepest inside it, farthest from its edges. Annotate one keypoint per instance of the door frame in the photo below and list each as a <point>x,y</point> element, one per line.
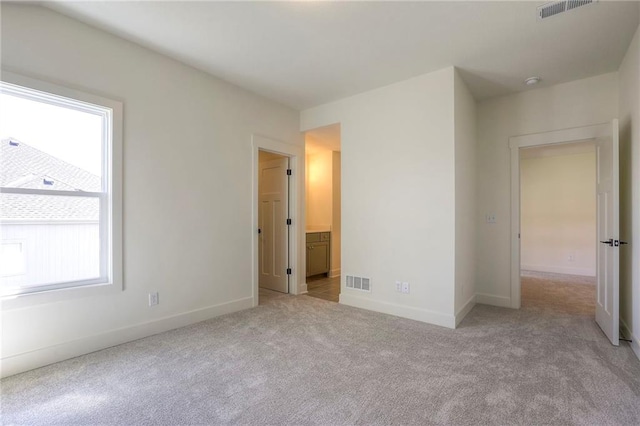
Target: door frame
<point>296,209</point>
<point>276,279</point>
<point>556,137</point>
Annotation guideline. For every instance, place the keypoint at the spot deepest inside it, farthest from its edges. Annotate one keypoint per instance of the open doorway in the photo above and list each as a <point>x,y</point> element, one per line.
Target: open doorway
<point>608,244</point>
<point>293,221</point>
<point>558,228</point>
<point>323,210</point>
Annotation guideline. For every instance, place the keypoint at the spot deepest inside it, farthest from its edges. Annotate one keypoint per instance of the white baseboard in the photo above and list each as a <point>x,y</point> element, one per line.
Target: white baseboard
<point>490,299</point>
<point>465,309</point>
<point>334,273</point>
<point>586,272</point>
<point>40,357</point>
<point>303,288</point>
<point>628,334</point>
<point>424,315</point>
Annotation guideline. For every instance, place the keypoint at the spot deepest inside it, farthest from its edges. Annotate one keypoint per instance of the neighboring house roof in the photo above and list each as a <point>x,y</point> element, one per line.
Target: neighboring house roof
<point>23,166</point>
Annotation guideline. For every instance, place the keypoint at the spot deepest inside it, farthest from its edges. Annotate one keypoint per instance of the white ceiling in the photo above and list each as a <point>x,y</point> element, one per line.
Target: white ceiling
<point>303,54</point>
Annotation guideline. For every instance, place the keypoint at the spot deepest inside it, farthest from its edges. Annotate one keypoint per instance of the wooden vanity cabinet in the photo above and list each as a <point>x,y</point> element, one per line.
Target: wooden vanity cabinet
<point>318,253</point>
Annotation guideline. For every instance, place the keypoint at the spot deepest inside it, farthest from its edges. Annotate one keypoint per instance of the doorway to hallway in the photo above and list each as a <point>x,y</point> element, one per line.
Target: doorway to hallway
<point>323,212</point>
<point>605,138</point>
<point>558,227</point>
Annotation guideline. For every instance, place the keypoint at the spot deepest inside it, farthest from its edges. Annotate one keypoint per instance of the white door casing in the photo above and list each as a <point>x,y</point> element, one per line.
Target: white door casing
<point>294,150</point>
<point>608,232</point>
<point>272,216</point>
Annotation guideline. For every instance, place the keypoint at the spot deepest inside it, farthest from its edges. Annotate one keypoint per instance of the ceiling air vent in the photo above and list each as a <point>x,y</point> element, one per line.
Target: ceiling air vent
<point>551,9</point>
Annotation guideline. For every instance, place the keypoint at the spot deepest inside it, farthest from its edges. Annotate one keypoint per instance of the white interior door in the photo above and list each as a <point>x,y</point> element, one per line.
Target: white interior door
<point>272,218</point>
<point>608,267</point>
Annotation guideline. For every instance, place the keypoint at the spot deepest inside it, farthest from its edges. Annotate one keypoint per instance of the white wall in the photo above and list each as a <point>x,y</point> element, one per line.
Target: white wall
<point>187,187</point>
<point>398,194</point>
<point>323,206</point>
<point>630,192</point>
<point>558,214</point>
<point>319,186</point>
<point>336,221</point>
<point>465,168</point>
<point>577,103</point>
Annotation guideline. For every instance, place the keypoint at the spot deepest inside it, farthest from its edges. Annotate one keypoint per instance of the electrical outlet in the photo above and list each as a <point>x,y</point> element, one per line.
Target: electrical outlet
<point>399,286</point>
<point>572,257</point>
<point>490,218</point>
<point>405,288</point>
<point>154,299</point>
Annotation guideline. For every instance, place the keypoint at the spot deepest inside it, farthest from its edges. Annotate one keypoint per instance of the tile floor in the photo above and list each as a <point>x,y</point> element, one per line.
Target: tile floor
<point>319,286</point>
<point>323,287</point>
<point>265,296</point>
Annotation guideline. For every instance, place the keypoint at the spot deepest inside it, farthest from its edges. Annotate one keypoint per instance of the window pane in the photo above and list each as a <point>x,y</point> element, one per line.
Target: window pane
<point>49,147</point>
<point>11,258</point>
<point>59,236</point>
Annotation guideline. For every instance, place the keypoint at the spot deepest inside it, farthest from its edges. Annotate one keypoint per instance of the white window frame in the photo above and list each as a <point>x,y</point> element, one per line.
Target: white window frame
<point>110,196</point>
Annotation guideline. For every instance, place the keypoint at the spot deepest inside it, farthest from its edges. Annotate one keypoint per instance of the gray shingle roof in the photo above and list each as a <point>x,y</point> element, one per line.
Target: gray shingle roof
<point>23,166</point>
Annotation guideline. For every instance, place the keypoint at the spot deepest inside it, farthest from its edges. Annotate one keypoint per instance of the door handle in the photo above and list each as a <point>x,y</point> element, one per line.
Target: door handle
<point>609,242</point>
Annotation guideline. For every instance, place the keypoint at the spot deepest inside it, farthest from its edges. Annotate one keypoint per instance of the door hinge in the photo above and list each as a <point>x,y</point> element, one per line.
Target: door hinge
<point>288,221</point>
<point>288,172</point>
<point>288,271</point>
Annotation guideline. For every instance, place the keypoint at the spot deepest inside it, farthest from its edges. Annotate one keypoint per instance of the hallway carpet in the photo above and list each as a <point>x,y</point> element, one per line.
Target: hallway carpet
<point>302,360</point>
<point>568,294</point>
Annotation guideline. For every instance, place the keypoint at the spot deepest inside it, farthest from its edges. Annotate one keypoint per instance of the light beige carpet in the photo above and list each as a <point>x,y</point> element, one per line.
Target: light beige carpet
<point>569,294</point>
<point>301,360</point>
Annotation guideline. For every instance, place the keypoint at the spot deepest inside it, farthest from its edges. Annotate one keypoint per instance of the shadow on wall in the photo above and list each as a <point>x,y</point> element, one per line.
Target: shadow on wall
<point>626,218</point>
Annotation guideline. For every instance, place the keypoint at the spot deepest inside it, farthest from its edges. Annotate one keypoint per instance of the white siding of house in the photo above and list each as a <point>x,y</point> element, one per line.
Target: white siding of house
<point>54,251</point>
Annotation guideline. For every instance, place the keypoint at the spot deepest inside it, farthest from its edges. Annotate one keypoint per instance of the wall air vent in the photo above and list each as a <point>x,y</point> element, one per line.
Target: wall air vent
<point>366,284</point>
<point>554,8</point>
<point>349,281</point>
<point>358,283</point>
<point>572,4</point>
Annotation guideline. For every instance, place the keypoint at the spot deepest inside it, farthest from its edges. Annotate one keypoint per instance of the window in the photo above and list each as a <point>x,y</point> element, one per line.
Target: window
<point>60,188</point>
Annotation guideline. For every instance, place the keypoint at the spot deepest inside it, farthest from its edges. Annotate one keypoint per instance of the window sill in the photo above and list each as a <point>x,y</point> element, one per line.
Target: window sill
<point>27,300</point>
